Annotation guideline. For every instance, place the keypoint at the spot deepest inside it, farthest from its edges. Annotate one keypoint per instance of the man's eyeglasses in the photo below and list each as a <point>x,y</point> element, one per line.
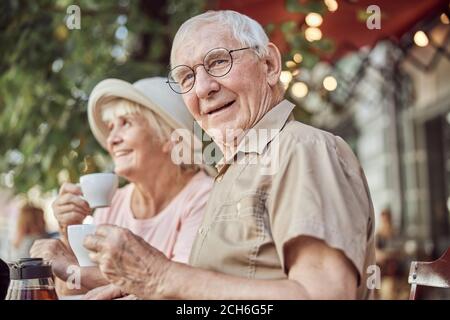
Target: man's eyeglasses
<point>217,63</point>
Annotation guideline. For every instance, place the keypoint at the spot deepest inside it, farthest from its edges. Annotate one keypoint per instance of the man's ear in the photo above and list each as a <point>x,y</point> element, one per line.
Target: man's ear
<point>273,62</point>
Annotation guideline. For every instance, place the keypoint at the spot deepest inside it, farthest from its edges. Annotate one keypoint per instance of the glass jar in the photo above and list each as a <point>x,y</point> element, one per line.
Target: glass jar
<point>4,279</point>
<point>31,279</point>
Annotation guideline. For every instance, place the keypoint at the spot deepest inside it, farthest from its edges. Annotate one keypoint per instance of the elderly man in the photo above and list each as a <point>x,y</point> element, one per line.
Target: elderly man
<point>290,215</point>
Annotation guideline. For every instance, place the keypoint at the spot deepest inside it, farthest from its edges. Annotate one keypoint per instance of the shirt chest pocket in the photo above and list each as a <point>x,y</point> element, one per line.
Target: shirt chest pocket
<point>242,221</point>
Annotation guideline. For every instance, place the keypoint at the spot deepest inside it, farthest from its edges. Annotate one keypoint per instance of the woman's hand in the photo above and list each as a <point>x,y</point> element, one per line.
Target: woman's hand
<point>69,208</point>
<point>128,261</point>
<point>54,251</point>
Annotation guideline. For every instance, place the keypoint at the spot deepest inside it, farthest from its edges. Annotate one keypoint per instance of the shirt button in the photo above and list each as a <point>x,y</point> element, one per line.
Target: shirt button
<point>219,178</point>
<point>201,231</point>
<point>238,207</point>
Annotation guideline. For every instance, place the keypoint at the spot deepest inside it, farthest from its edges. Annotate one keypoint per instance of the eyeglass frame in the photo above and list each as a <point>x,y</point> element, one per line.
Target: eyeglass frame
<point>194,67</point>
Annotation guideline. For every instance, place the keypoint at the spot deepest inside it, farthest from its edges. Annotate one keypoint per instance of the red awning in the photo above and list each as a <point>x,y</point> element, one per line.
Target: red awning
<point>343,26</point>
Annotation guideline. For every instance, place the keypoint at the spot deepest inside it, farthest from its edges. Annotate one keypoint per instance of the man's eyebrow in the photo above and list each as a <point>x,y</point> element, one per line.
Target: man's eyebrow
<point>188,62</point>
<point>192,61</point>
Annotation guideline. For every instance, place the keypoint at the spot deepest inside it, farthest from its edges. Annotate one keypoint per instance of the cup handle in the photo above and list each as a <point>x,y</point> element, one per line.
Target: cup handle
<point>82,196</point>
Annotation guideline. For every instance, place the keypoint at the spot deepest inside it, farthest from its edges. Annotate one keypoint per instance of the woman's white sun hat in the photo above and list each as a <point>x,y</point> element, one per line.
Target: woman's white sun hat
<point>152,93</point>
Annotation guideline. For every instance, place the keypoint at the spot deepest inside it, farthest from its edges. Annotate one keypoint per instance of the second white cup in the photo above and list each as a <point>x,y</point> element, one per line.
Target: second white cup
<point>76,234</point>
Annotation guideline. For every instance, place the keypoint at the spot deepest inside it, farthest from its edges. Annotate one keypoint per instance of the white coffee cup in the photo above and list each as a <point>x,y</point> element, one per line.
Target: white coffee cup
<point>76,234</point>
<point>99,188</point>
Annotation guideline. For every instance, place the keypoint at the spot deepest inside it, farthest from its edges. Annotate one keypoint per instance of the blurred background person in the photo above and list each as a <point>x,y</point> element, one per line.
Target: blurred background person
<point>389,255</point>
<point>31,226</point>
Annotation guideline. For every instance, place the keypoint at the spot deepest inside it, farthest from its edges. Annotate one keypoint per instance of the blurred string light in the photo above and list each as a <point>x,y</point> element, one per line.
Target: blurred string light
<point>290,64</point>
<point>8,179</point>
<point>313,34</point>
<point>15,157</point>
<point>444,19</point>
<point>285,77</point>
<point>57,65</point>
<point>299,89</point>
<point>448,118</point>
<point>75,143</point>
<point>330,83</point>
<point>332,5</point>
<point>121,33</point>
<point>119,53</point>
<point>43,128</point>
<point>298,58</point>
<point>122,19</point>
<point>313,19</point>
<point>421,39</point>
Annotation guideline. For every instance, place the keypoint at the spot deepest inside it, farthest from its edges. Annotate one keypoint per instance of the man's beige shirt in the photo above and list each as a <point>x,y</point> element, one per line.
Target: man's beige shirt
<point>293,180</point>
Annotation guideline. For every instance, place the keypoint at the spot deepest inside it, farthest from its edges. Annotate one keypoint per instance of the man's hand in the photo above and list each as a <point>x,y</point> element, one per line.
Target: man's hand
<point>54,251</point>
<point>107,292</point>
<point>127,261</point>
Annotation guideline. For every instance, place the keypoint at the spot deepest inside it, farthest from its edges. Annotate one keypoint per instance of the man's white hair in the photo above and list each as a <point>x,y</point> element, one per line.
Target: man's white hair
<point>243,28</point>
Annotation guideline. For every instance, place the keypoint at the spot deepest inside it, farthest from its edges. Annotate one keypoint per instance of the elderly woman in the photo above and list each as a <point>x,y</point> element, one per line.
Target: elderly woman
<point>164,201</point>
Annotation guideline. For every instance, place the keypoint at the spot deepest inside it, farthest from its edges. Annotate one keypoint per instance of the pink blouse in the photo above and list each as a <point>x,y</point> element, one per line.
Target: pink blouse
<point>172,231</point>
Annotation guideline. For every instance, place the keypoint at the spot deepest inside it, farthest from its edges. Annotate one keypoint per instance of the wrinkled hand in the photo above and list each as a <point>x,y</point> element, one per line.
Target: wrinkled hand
<point>128,261</point>
<point>54,251</point>
<point>128,297</point>
<point>69,208</point>
<point>108,292</point>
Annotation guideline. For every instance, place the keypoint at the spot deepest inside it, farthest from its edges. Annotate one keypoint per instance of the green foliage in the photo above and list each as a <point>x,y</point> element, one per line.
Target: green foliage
<point>295,36</point>
<point>305,6</point>
<point>47,72</point>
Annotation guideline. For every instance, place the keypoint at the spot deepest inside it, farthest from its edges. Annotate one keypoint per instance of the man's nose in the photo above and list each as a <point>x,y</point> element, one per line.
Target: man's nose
<point>205,84</point>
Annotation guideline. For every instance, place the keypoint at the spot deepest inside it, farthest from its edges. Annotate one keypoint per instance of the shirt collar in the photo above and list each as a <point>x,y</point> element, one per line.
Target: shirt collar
<point>264,131</point>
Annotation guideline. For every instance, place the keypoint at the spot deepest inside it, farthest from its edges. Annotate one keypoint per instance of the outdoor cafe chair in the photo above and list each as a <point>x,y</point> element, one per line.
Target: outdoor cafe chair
<point>429,274</point>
